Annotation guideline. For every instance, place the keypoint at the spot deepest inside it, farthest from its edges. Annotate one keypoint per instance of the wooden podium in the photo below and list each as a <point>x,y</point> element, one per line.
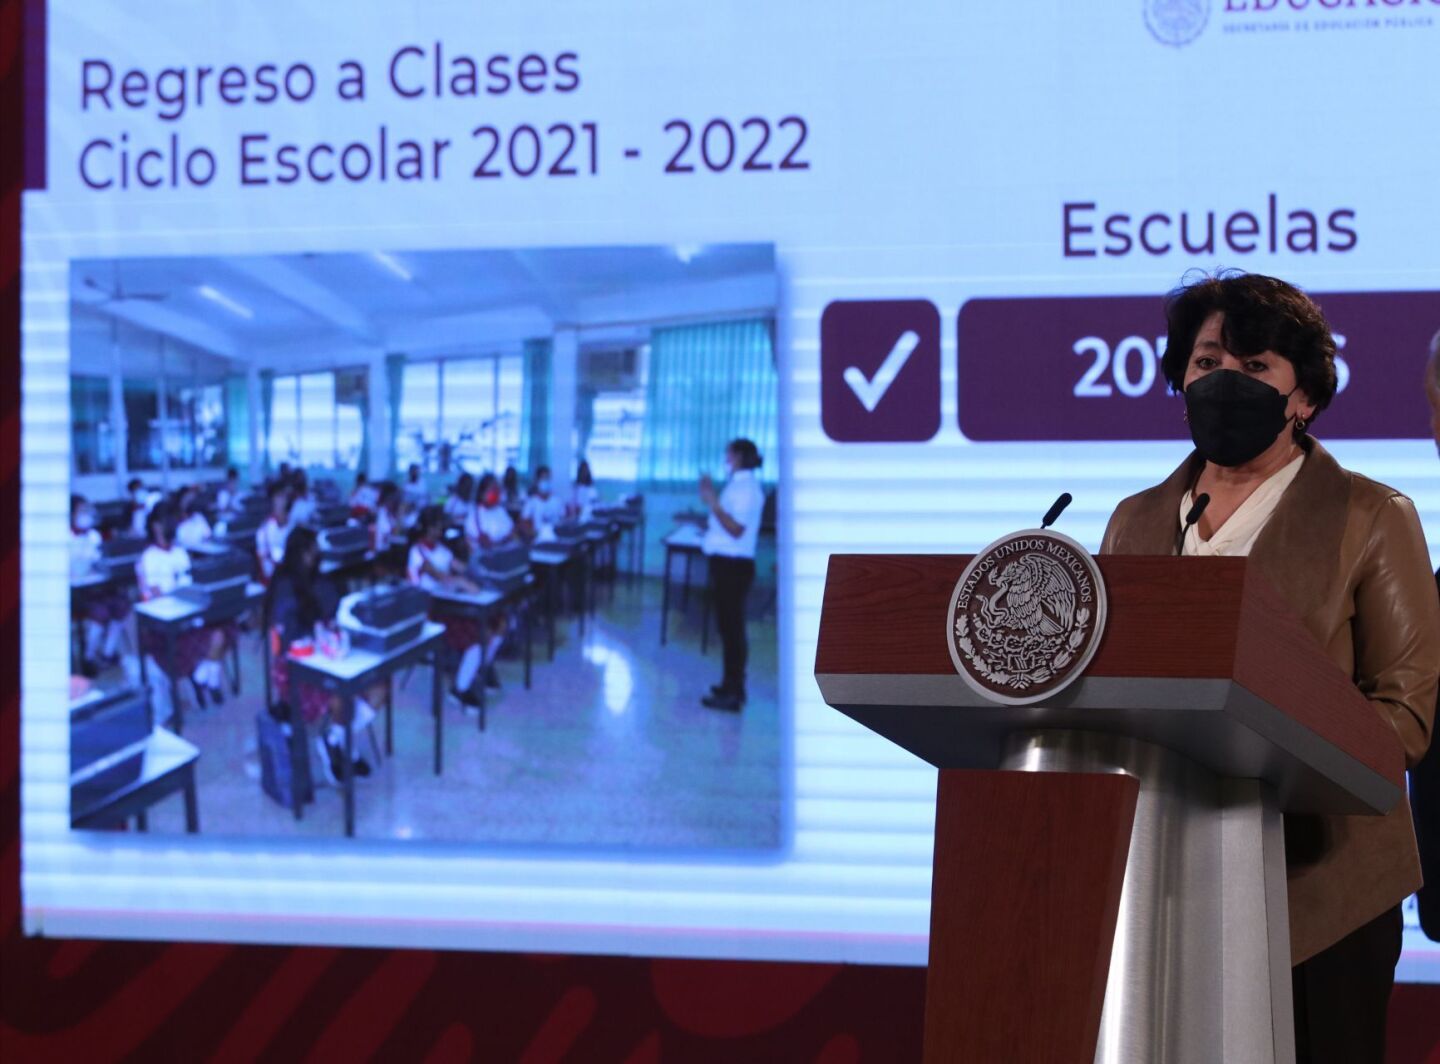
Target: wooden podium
<point>1109,869</point>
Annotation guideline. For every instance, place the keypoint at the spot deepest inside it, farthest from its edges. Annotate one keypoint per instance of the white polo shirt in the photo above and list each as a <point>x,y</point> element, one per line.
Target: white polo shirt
<point>270,539</point>
<point>162,571</point>
<point>541,512</point>
<point>84,553</point>
<point>193,531</point>
<point>438,556</point>
<point>743,499</point>
<point>493,521</point>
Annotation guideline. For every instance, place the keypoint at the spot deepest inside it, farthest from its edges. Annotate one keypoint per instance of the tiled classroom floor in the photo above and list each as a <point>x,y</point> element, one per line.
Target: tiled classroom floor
<point>609,748</point>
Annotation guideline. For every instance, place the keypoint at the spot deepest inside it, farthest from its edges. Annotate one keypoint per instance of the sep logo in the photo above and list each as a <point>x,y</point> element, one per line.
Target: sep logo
<point>1176,22</point>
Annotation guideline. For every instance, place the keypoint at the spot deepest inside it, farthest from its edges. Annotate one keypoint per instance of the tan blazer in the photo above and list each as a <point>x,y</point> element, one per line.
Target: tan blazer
<point>1349,556</point>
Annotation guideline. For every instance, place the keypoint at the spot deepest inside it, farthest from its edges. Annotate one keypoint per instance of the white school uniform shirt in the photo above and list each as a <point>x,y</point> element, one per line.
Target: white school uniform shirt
<point>365,497</point>
<point>270,539</point>
<point>384,528</point>
<point>193,531</point>
<point>227,501</point>
<point>162,570</point>
<point>456,509</point>
<point>493,521</point>
<point>543,512</point>
<point>415,495</point>
<point>743,499</point>
<point>302,511</point>
<point>84,553</point>
<point>142,511</point>
<point>439,556</point>
<point>1237,536</point>
<point>584,497</point>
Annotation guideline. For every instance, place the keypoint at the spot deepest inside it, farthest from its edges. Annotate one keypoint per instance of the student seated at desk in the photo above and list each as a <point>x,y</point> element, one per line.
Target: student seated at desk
<point>163,566</point>
<point>302,502</point>
<point>227,499</point>
<point>414,495</point>
<point>270,537</point>
<point>194,531</point>
<point>488,525</point>
<point>387,517</point>
<point>433,566</point>
<point>461,500</point>
<point>298,601</point>
<point>103,615</point>
<point>511,497</point>
<point>365,498</point>
<point>584,495</point>
<point>542,511</point>
<point>142,501</point>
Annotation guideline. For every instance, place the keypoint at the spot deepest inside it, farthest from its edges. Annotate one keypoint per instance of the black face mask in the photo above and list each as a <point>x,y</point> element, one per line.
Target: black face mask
<point>1233,417</point>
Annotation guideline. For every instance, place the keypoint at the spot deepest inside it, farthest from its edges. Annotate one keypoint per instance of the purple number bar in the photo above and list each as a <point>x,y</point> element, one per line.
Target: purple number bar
<point>1088,368</point>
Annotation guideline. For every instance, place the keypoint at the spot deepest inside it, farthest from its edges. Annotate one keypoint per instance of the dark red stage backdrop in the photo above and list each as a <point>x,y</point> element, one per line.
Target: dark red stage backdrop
<point>98,1001</point>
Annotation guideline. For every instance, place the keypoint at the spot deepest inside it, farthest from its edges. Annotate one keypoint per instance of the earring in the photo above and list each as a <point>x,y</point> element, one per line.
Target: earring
<point>1300,424</point>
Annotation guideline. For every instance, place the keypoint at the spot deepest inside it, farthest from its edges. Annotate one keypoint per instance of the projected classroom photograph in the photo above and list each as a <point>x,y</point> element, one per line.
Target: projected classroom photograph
<point>475,546</point>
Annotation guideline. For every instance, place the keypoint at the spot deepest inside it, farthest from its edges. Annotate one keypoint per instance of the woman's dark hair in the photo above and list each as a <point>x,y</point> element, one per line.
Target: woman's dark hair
<point>232,473</point>
<point>360,478</point>
<point>160,516</point>
<point>487,481</point>
<point>133,483</point>
<point>1261,314</point>
<point>747,453</point>
<point>299,573</point>
<point>511,480</point>
<point>76,501</point>
<point>430,517</point>
<point>465,487</point>
<point>388,492</point>
<point>583,476</point>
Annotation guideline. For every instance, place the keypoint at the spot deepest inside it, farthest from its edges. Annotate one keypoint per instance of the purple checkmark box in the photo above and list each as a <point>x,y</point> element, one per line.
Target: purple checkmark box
<point>880,370</point>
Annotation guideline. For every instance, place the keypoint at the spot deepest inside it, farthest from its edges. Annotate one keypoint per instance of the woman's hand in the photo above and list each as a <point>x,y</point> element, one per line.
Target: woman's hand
<point>708,494</point>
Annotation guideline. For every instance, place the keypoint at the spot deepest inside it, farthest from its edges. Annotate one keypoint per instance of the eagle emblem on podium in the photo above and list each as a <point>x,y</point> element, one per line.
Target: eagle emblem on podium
<point>1026,616</point>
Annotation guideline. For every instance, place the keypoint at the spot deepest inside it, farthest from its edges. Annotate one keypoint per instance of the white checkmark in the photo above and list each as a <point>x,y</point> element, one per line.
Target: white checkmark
<point>870,390</point>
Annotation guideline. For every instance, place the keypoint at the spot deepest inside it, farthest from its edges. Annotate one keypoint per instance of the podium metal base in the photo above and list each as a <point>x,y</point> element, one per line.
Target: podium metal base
<point>1200,964</point>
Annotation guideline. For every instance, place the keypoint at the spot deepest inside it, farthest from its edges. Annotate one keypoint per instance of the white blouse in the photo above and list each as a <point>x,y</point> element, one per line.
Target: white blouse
<point>162,571</point>
<point>1237,536</point>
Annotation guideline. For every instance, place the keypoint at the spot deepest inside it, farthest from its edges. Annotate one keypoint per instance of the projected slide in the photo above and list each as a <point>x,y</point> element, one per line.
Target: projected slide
<point>443,418</point>
<point>581,719</point>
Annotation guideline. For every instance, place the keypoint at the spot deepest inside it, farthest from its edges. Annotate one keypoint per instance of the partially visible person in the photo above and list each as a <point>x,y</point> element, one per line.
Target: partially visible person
<point>731,531</point>
<point>543,509</point>
<point>461,500</point>
<point>510,493</point>
<point>434,567</point>
<point>163,566</point>
<point>227,499</point>
<point>364,498</point>
<point>583,495</point>
<point>489,525</point>
<point>302,501</point>
<point>194,531</point>
<point>142,500</point>
<point>270,537</point>
<point>1425,777</point>
<point>297,603</point>
<point>415,495</point>
<point>388,523</point>
<point>103,614</point>
<point>1254,359</point>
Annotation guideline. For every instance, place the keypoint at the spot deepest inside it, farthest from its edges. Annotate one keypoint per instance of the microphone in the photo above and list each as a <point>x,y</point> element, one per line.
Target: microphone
<point>1058,507</point>
<point>1201,501</point>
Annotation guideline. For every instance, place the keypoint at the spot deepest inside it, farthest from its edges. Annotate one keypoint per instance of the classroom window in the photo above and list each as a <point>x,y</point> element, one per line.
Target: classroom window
<point>194,428</point>
<point>461,415</point>
<point>144,440</point>
<point>611,413</point>
<point>309,428</point>
<point>92,432</point>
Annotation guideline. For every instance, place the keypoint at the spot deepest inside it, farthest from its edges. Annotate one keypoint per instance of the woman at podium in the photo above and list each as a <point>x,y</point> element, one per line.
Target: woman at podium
<point>1255,361</point>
